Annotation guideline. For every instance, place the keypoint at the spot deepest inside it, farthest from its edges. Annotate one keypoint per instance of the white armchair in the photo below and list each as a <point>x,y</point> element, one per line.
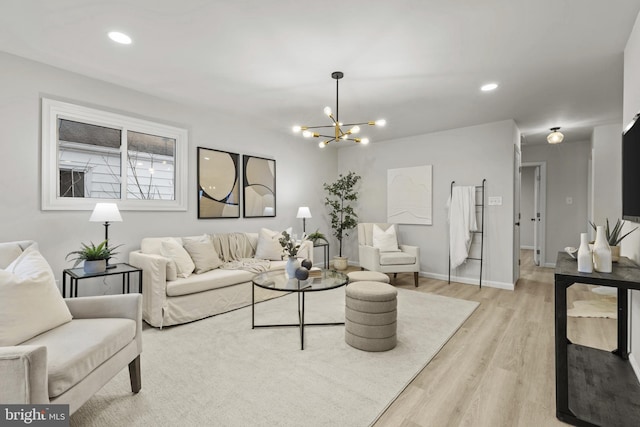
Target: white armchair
<point>70,362</point>
<point>406,260</point>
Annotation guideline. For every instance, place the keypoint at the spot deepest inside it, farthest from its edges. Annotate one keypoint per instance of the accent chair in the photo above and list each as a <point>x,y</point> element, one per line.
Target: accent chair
<point>373,257</point>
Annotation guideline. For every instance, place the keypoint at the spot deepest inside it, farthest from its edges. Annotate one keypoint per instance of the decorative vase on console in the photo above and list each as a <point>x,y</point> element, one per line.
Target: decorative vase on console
<point>585,257</point>
<point>292,265</point>
<point>601,252</point>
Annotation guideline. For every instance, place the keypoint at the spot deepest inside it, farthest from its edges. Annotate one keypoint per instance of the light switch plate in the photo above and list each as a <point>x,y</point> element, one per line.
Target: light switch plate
<point>495,201</point>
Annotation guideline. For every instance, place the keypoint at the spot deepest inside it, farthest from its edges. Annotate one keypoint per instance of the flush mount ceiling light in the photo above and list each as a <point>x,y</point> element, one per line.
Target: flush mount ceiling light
<point>489,87</point>
<point>339,134</point>
<point>119,37</point>
<point>555,137</point>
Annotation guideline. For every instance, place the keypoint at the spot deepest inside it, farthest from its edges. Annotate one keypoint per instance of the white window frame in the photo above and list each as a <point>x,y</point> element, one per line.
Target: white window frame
<point>53,110</point>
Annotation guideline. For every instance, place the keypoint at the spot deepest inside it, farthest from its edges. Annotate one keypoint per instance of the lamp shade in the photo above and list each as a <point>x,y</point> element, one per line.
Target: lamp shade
<point>303,212</point>
<point>555,137</point>
<point>105,212</point>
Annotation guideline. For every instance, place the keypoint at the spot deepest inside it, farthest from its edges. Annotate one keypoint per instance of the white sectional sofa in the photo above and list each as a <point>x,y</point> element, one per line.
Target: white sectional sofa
<point>171,300</point>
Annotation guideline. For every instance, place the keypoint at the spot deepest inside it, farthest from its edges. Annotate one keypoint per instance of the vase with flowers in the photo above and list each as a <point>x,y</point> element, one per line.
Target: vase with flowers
<point>613,237</point>
<point>290,250</point>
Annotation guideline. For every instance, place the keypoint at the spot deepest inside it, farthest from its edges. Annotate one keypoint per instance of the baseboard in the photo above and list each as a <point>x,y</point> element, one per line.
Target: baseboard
<point>526,247</point>
<point>550,264</point>
<point>634,365</point>
<point>469,281</point>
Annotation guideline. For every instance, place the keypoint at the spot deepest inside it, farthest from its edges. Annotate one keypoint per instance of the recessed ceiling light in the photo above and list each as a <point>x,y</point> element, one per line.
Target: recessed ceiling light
<point>489,87</point>
<point>119,37</point>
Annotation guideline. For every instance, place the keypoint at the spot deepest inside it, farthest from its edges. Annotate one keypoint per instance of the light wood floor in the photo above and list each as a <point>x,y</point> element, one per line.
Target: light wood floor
<point>498,369</point>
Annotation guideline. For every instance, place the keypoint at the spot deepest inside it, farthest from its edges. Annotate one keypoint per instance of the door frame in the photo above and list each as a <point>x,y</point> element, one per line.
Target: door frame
<point>542,226</point>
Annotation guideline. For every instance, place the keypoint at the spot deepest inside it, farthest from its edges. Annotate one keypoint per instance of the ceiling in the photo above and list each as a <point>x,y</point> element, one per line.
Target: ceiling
<point>417,63</point>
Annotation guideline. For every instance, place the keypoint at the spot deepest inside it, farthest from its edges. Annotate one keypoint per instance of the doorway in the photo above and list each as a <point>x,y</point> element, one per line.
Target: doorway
<point>533,210</point>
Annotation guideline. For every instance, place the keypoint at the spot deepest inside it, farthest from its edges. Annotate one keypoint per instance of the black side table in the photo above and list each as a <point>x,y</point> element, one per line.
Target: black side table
<point>76,274</point>
<point>595,387</point>
<point>325,249</point>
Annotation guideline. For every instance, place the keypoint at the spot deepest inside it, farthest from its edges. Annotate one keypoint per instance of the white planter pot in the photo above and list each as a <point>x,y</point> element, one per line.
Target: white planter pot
<point>98,266</point>
<point>340,262</point>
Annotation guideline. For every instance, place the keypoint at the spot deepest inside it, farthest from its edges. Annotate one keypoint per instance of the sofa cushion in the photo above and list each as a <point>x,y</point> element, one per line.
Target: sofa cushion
<point>8,252</point>
<point>213,279</point>
<point>30,302</point>
<point>77,348</point>
<point>396,258</point>
<point>269,244</point>
<point>385,240</point>
<point>202,253</point>
<point>174,250</point>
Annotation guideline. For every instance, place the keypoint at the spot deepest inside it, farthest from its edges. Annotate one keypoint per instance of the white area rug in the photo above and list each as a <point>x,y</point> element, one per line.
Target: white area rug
<point>603,307</point>
<point>220,372</point>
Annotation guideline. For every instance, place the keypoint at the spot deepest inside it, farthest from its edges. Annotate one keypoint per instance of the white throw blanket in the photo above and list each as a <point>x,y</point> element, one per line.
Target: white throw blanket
<point>462,220</point>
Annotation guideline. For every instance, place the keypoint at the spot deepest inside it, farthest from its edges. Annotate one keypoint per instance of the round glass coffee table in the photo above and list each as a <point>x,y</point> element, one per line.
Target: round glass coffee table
<point>319,280</point>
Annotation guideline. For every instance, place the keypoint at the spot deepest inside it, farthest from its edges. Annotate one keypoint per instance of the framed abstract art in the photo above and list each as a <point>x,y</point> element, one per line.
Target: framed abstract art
<point>259,190</point>
<point>218,184</point>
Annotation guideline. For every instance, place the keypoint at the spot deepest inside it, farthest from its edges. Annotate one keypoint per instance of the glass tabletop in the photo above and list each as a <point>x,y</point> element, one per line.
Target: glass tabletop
<point>79,273</point>
<point>319,280</point>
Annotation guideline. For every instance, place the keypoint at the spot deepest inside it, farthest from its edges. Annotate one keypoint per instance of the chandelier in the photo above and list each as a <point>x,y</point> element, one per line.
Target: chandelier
<point>339,134</point>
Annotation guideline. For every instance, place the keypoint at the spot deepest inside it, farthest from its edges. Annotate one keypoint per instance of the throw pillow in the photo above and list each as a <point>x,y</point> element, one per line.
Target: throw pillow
<point>386,241</point>
<point>175,251</point>
<point>9,252</point>
<point>30,302</point>
<point>203,254</point>
<point>269,244</point>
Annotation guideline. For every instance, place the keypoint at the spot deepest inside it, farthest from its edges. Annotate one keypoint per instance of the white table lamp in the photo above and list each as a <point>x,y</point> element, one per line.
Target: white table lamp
<point>107,212</point>
<point>304,213</point>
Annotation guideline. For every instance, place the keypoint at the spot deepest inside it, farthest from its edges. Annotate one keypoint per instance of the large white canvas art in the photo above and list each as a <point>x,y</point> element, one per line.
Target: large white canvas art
<point>409,194</point>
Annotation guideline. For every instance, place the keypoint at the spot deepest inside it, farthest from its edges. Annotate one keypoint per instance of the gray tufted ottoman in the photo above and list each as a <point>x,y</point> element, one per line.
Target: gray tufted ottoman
<point>367,276</point>
<point>370,316</point>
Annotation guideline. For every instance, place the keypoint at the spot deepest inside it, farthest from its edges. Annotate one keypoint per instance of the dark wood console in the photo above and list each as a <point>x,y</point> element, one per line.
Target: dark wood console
<point>595,387</point>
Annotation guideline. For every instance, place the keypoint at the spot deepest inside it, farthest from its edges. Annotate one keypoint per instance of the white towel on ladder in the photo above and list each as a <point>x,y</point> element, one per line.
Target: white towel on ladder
<point>462,221</point>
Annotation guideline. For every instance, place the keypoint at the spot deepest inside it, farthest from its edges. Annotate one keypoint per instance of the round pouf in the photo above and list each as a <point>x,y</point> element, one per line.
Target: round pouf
<point>367,276</point>
<point>370,316</point>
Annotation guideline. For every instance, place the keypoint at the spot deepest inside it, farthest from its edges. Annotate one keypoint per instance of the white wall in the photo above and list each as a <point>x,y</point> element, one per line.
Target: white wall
<point>527,205</point>
<point>607,173</point>
<point>466,155</point>
<point>567,176</point>
<point>631,245</point>
<point>301,166</point>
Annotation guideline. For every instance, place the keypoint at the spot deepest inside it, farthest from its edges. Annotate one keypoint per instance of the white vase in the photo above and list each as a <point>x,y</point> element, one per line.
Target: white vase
<point>585,258</point>
<point>601,252</point>
<point>291,267</point>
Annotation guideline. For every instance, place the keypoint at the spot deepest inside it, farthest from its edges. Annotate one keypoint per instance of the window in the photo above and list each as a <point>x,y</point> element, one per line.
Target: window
<point>90,155</point>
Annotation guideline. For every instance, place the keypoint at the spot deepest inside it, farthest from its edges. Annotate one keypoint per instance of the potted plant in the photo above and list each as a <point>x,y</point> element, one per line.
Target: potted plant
<point>317,235</point>
<point>613,237</point>
<point>94,257</point>
<point>343,217</point>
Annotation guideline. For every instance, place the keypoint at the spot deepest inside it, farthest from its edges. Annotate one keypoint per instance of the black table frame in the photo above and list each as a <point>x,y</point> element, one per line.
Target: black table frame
<point>325,252</point>
<point>76,274</point>
<point>301,291</point>
<point>619,379</point>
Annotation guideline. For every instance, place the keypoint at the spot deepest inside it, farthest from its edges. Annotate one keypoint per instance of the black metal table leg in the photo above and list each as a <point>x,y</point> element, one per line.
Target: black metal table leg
<point>64,284</point>
<point>253,305</point>
<point>562,368</point>
<point>623,348</point>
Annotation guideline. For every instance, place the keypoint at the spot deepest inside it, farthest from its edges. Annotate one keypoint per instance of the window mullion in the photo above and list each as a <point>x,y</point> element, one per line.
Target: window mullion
<point>124,159</point>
